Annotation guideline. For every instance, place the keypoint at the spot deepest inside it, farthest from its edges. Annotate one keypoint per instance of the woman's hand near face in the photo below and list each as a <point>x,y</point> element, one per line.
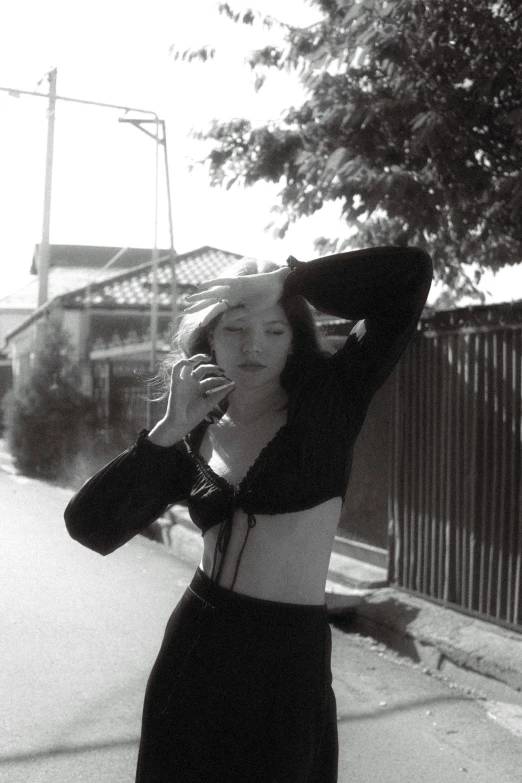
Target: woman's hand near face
<point>252,292</point>
<point>196,387</point>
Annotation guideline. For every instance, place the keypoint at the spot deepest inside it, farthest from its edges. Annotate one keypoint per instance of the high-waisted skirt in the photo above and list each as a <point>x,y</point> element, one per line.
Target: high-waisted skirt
<point>241,692</point>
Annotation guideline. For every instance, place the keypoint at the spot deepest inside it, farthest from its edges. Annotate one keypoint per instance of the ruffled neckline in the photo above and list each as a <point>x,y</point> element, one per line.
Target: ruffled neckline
<point>210,473</point>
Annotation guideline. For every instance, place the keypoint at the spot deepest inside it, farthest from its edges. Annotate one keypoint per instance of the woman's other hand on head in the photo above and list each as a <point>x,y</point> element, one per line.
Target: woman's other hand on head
<point>255,292</point>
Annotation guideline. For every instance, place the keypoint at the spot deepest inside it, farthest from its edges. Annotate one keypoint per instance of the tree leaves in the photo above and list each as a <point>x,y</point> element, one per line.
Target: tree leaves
<point>412,117</point>
<point>336,159</point>
<point>426,120</point>
<point>202,54</point>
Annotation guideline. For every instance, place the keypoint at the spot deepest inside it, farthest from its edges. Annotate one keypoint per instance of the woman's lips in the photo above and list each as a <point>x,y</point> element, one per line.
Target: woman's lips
<point>248,367</point>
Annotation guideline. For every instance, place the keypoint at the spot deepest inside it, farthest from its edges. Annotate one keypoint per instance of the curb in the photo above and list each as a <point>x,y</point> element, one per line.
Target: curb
<point>442,639</point>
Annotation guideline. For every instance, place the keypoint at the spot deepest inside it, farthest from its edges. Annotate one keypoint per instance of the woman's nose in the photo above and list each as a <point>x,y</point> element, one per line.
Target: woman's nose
<point>251,343</point>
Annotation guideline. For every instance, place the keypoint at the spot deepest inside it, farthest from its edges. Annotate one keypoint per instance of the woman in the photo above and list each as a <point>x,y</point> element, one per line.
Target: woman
<point>257,437</point>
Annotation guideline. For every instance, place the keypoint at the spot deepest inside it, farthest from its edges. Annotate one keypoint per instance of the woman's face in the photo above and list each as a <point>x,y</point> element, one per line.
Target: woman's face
<point>252,347</point>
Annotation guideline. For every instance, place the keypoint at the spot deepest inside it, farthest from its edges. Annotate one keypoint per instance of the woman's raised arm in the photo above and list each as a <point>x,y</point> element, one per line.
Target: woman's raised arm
<point>383,288</point>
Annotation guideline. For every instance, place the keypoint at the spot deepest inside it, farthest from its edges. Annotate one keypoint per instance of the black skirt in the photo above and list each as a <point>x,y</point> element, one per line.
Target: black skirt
<point>241,692</point>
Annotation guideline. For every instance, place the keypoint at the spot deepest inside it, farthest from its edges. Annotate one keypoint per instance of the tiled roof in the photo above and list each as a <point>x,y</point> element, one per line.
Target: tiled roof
<point>93,256</point>
<point>133,288</point>
<point>60,281</point>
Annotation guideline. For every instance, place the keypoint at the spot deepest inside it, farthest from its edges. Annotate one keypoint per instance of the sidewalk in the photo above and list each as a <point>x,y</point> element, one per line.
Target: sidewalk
<point>443,640</point>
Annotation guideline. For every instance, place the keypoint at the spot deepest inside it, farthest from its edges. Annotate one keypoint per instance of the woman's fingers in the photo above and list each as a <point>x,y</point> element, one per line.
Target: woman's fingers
<point>207,370</point>
<point>184,368</point>
<point>222,281</point>
<point>180,370</point>
<point>207,302</point>
<point>209,308</point>
<point>216,292</point>
<point>209,313</point>
<point>200,358</point>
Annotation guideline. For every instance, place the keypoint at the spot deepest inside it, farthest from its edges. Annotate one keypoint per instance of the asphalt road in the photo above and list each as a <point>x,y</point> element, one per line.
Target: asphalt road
<point>80,632</point>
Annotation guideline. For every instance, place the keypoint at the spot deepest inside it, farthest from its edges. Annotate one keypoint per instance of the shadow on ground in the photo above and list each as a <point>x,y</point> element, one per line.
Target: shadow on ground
<point>386,622</point>
<point>63,750</point>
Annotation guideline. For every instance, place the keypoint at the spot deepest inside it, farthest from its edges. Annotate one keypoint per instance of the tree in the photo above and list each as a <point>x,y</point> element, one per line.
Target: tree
<point>47,415</point>
<point>411,118</point>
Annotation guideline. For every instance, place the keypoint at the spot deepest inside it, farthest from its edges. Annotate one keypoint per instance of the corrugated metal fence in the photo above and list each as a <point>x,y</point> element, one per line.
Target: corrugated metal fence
<point>455,500</point>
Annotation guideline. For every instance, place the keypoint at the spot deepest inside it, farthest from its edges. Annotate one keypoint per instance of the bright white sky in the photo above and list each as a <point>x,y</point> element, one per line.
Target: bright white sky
<point>117,51</point>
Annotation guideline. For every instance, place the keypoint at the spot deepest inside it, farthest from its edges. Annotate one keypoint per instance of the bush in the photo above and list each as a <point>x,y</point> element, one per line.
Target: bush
<point>47,418</point>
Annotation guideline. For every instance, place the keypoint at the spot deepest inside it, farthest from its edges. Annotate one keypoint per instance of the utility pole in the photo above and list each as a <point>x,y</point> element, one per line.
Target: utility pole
<point>44,249</point>
<point>52,97</point>
<point>154,264</point>
<point>173,286</point>
<point>160,140</point>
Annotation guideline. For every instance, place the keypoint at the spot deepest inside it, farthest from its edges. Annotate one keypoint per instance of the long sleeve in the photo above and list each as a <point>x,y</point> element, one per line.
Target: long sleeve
<point>383,288</point>
<point>128,494</point>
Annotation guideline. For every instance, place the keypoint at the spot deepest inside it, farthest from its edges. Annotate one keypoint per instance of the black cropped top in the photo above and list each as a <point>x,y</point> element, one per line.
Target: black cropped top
<point>308,460</point>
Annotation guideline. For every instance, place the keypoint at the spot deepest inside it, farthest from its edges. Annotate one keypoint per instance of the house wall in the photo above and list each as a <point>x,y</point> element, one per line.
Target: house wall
<point>106,326</point>
<point>76,324</point>
<point>6,382</point>
<point>21,347</point>
<point>9,320</point>
<point>72,321</point>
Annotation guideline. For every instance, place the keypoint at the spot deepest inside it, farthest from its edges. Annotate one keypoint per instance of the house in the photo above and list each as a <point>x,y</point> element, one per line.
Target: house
<point>70,266</point>
<point>108,320</point>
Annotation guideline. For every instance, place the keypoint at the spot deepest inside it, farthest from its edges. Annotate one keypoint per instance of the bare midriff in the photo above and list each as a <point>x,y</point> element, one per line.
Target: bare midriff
<point>286,556</point>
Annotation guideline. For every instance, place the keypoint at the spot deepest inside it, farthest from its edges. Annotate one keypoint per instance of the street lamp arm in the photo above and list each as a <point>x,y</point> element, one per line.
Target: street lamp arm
<point>139,125</point>
<point>15,92</point>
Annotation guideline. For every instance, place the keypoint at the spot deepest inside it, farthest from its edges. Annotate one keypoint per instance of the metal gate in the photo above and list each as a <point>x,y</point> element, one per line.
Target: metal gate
<point>120,395</point>
<point>455,500</point>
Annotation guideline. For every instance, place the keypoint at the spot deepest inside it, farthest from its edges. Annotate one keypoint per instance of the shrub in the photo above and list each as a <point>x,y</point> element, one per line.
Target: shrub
<point>47,417</point>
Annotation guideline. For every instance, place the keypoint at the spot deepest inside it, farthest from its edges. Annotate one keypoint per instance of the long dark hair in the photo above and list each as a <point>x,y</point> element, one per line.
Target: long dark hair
<point>191,338</point>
